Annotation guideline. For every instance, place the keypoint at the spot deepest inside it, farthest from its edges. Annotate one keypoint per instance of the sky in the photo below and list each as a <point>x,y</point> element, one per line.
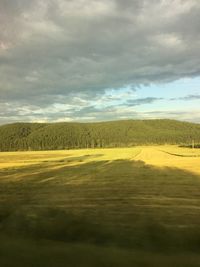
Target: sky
<point>99,60</point>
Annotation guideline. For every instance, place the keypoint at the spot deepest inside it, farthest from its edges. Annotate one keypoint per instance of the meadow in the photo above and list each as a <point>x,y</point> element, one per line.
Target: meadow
<point>136,206</point>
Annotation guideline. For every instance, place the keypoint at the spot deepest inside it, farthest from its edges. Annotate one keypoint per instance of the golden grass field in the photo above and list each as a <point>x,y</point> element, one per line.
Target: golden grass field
<point>162,156</point>
<point>135,206</point>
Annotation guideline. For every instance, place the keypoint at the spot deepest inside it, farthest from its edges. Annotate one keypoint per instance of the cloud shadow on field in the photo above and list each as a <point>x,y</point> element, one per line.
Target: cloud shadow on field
<point>120,203</point>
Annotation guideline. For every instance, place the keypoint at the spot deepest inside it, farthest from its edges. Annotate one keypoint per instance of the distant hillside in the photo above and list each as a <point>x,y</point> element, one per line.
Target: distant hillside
<point>46,136</point>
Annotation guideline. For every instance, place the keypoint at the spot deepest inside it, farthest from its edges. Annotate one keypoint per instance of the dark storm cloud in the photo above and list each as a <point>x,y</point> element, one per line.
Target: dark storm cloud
<point>53,50</point>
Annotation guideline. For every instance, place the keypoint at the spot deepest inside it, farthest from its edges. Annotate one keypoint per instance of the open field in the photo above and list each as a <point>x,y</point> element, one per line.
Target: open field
<point>100,207</point>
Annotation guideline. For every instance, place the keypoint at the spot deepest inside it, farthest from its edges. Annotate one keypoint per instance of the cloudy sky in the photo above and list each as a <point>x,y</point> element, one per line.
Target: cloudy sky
<point>94,60</point>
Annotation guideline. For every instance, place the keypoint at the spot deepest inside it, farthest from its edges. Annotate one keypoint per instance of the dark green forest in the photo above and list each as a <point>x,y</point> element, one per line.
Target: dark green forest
<point>50,136</point>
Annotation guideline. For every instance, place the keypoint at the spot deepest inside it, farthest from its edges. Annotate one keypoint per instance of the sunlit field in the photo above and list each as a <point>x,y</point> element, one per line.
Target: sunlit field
<point>121,207</point>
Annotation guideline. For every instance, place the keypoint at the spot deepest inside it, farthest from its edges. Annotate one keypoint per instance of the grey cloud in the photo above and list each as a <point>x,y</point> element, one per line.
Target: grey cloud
<point>141,101</point>
<point>53,51</point>
<point>95,111</point>
<point>90,114</point>
<point>191,97</point>
<point>188,97</point>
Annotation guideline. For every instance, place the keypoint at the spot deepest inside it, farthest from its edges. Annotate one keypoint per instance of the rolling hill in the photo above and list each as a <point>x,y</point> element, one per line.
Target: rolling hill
<point>54,136</point>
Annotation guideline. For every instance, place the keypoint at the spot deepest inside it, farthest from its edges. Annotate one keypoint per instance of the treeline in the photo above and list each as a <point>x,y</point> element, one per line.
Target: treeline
<point>50,136</point>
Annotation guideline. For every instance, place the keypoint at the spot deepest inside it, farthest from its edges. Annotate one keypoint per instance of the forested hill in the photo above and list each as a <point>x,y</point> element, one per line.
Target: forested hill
<point>45,136</point>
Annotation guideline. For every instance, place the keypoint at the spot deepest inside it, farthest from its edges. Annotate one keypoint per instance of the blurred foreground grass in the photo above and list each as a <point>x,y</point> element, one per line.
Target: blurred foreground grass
<point>100,208</point>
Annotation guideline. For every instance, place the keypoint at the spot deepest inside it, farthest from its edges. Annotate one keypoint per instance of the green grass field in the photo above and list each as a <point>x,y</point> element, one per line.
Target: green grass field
<point>100,207</point>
